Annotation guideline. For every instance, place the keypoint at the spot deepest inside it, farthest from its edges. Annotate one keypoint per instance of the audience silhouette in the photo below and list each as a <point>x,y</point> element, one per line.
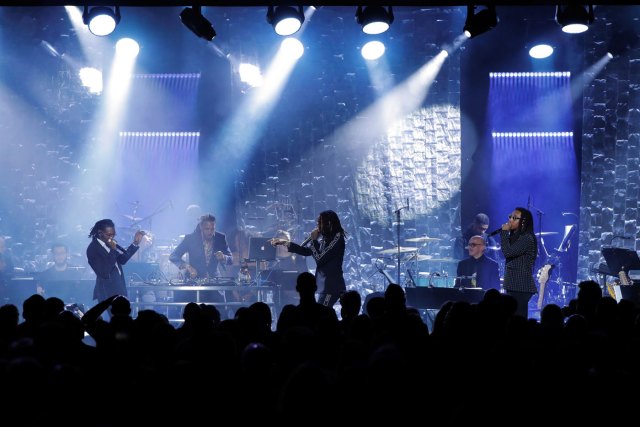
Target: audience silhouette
<point>380,365</point>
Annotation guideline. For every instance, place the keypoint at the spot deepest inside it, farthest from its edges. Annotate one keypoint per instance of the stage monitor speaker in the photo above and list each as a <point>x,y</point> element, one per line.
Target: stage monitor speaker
<point>434,298</point>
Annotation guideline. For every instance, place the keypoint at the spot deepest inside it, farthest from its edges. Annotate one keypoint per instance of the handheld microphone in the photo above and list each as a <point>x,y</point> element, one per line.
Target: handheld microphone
<point>120,248</point>
<point>308,239</point>
<point>493,233</point>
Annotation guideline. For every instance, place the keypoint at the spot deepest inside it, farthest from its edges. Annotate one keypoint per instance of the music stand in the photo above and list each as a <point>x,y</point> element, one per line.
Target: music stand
<point>620,259</point>
<point>569,231</point>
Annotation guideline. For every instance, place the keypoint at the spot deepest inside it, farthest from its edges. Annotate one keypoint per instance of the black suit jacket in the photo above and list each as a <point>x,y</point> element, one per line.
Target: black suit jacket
<point>520,252</point>
<point>329,258</point>
<point>109,280</point>
<point>192,244</point>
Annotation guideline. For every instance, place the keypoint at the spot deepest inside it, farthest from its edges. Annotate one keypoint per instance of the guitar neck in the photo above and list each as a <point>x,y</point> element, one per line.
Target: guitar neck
<point>624,278</point>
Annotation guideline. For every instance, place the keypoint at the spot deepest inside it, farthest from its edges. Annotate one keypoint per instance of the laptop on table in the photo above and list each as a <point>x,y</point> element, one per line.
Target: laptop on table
<point>260,249</point>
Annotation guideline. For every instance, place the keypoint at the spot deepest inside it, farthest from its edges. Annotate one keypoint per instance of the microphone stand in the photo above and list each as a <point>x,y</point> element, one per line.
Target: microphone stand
<point>540,213</point>
<point>397,212</point>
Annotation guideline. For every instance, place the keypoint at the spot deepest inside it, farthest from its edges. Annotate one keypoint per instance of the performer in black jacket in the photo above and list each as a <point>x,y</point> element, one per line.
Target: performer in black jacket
<point>106,259</point>
<point>207,251</point>
<point>520,249</point>
<point>327,248</point>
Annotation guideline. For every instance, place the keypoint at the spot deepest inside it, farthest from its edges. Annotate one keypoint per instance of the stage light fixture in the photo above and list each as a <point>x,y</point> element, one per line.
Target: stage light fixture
<point>374,19</point>
<point>481,21</point>
<point>101,20</point>
<point>541,51</point>
<point>286,20</point>
<point>574,19</point>
<point>192,18</point>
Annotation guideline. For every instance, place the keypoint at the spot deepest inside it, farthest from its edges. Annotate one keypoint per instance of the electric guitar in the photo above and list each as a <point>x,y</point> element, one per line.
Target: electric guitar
<point>624,278</point>
<point>543,277</point>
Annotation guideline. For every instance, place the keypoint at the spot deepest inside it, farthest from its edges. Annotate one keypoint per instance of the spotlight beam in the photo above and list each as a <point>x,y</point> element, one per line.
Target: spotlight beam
<point>404,99</point>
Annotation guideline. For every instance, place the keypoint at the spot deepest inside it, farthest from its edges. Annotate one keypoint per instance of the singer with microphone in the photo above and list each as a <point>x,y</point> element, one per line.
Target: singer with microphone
<point>326,244</point>
<point>520,248</point>
<point>106,258</point>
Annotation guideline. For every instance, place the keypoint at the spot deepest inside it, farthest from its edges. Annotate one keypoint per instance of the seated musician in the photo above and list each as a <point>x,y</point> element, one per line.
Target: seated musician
<point>478,270</point>
<point>59,278</point>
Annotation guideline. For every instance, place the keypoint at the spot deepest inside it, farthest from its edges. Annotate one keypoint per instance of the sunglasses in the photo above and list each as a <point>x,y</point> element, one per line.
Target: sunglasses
<point>515,218</point>
<point>473,245</point>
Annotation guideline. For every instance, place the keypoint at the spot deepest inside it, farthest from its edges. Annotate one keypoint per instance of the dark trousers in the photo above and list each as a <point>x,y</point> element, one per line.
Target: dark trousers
<point>522,298</point>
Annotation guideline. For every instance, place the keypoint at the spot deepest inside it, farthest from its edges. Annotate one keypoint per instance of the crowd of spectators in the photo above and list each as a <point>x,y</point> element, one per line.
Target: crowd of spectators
<point>477,363</point>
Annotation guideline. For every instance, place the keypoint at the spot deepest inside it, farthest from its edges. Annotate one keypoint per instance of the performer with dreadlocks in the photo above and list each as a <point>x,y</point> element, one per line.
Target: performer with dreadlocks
<point>520,248</point>
<point>327,248</point>
<point>106,257</point>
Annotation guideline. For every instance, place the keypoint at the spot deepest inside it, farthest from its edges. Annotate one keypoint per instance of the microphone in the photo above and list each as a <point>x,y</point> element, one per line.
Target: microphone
<point>493,233</point>
<point>120,248</point>
<point>308,239</point>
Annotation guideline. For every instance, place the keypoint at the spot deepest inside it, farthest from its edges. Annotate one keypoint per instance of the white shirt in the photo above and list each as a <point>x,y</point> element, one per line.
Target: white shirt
<point>104,245</point>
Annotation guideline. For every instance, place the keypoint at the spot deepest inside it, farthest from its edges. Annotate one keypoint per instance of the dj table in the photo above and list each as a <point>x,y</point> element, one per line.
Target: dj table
<point>159,297</point>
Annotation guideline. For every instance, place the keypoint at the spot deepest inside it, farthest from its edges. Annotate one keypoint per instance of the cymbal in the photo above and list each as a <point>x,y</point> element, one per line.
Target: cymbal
<point>546,233</point>
<point>416,257</point>
<point>428,258</point>
<point>422,239</point>
<point>396,250</point>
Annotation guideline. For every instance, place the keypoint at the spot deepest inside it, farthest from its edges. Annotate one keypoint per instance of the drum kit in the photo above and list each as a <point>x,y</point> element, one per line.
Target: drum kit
<point>412,259</point>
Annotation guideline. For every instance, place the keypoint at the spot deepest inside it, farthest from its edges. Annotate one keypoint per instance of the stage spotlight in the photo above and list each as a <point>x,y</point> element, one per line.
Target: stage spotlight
<point>480,22</point>
<point>101,20</point>
<point>91,78</point>
<point>372,50</point>
<point>192,18</point>
<point>292,48</point>
<point>374,19</point>
<point>541,51</point>
<point>286,20</point>
<point>574,19</point>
